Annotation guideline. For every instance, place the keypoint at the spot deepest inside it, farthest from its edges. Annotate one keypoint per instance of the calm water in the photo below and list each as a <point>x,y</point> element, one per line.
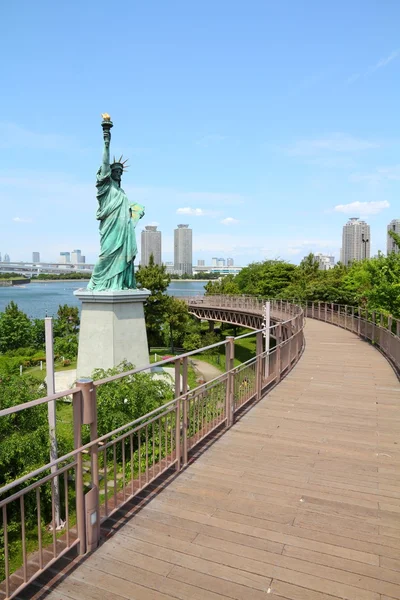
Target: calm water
<point>40,299</point>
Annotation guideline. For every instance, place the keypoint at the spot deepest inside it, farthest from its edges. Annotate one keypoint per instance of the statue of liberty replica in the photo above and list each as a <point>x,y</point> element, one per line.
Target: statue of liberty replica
<point>118,219</point>
<point>112,320</point>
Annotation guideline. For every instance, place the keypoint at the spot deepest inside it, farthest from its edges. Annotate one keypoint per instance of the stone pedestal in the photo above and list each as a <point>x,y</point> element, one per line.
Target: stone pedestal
<point>112,329</point>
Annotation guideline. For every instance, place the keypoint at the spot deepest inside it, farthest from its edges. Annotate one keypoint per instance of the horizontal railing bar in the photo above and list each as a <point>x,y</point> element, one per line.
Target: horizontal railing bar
<point>36,484</point>
<point>38,401</point>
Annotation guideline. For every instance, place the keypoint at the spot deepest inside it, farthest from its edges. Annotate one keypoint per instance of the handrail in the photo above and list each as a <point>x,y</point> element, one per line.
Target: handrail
<point>383,331</point>
<point>123,462</point>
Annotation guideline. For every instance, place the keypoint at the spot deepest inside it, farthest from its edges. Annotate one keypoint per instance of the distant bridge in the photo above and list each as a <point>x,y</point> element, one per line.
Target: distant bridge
<point>30,269</point>
<point>244,311</point>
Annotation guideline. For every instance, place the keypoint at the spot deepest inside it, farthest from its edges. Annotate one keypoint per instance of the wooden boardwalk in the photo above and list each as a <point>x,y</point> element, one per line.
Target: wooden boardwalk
<point>299,500</point>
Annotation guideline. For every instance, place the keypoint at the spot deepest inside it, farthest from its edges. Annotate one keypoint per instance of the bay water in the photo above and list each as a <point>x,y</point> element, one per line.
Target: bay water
<point>39,300</point>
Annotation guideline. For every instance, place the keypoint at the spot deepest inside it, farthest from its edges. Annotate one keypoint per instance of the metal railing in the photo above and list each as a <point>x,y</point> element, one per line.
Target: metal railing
<point>381,330</point>
<point>98,478</point>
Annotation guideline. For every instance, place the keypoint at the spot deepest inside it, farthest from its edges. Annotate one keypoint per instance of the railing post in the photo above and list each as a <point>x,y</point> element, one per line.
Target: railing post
<point>390,320</point>
<point>178,414</point>
<point>259,351</point>
<point>326,312</point>
<point>278,334</point>
<point>92,503</point>
<point>80,500</point>
<point>332,309</point>
<point>397,328</point>
<point>312,310</point>
<point>52,413</point>
<point>319,311</point>
<point>352,319</point>
<point>184,411</point>
<point>359,321</point>
<point>230,382</point>
<point>345,316</point>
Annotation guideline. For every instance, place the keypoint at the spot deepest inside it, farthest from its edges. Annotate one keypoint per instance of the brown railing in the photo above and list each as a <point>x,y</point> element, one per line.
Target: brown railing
<point>83,488</point>
<point>383,331</point>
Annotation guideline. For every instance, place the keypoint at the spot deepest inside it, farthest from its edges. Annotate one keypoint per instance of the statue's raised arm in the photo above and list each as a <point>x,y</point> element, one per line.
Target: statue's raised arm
<point>118,217</point>
<point>106,125</point>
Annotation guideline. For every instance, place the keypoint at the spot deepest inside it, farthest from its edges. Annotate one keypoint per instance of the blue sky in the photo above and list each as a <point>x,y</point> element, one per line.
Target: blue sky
<point>264,125</point>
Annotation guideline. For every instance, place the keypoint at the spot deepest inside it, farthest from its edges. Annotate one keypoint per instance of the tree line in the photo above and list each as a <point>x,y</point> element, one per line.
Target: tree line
<point>372,283</point>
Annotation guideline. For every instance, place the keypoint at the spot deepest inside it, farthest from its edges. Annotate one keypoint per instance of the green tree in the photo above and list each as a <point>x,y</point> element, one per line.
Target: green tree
<point>225,285</point>
<point>177,318</point>
<point>268,279</point>
<point>38,333</point>
<point>15,328</point>
<point>156,279</point>
<point>66,347</point>
<point>193,341</point>
<point>126,399</point>
<point>67,321</point>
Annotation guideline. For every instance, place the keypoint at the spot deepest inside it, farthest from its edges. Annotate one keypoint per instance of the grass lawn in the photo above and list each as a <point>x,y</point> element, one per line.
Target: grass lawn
<point>41,374</point>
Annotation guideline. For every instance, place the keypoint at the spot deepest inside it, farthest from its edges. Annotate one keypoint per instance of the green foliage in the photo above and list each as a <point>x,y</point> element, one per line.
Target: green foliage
<point>268,279</point>
<point>156,279</point>
<point>374,282</point>
<point>15,328</point>
<point>193,341</point>
<point>67,321</point>
<point>396,237</point>
<point>122,401</point>
<point>62,276</point>
<point>225,285</point>
<point>66,347</point>
<point>38,336</point>
<point>177,318</point>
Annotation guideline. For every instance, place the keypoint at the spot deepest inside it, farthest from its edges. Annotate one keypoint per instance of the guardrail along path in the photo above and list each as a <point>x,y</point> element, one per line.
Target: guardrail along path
<point>300,499</point>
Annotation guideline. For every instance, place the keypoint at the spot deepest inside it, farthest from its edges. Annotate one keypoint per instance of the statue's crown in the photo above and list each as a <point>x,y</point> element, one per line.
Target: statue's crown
<point>119,164</point>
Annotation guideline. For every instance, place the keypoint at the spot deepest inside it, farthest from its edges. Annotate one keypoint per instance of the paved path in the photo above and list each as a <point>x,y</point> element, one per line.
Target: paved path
<point>299,500</point>
<point>206,370</point>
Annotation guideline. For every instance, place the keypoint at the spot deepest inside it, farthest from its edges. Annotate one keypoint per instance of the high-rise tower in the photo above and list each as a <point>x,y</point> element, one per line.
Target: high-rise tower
<point>183,250</point>
<point>391,246</point>
<point>151,244</point>
<point>356,241</point>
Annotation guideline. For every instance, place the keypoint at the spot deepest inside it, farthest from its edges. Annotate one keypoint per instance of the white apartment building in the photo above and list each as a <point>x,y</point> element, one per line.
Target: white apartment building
<point>183,264</point>
<point>76,257</point>
<point>356,241</point>
<point>65,257</point>
<point>391,245</point>
<point>36,257</point>
<point>325,261</point>
<point>150,245</point>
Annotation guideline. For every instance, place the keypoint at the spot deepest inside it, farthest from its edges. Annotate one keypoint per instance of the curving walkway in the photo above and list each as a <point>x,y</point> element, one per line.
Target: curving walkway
<point>299,500</point>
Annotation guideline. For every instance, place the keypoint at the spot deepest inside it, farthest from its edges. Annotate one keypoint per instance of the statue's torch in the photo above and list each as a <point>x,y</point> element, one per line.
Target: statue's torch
<point>106,125</point>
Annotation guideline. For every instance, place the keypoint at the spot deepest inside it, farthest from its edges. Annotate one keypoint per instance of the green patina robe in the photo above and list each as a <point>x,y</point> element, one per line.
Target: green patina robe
<point>118,218</point>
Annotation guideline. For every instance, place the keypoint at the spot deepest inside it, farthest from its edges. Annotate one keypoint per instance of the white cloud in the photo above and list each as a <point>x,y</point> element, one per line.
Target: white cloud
<point>19,220</point>
<point>196,212</point>
<point>230,221</point>
<point>362,208</point>
<point>335,142</point>
<point>384,61</point>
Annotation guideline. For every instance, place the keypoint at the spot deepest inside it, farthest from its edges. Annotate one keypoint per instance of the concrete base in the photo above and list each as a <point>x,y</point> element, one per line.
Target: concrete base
<point>112,329</point>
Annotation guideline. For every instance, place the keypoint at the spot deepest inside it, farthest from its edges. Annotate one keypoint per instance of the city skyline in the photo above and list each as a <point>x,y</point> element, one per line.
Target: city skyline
<point>265,146</point>
<point>75,256</point>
